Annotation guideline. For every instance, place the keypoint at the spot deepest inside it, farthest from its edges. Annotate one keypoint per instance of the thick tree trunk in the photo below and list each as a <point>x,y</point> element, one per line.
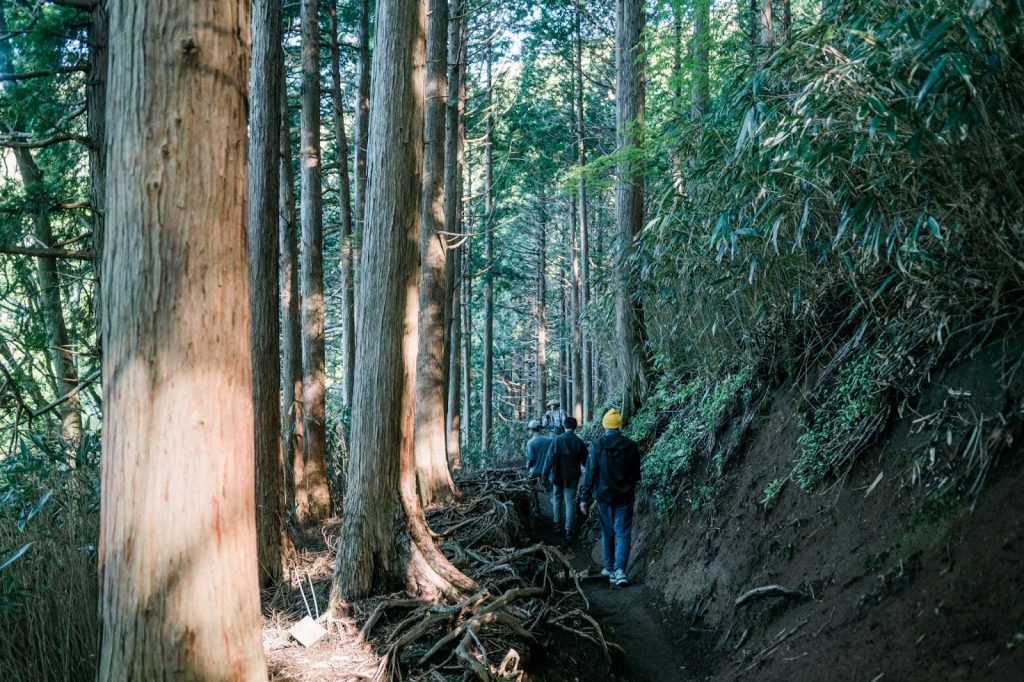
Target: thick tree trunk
<point>487,406</point>
<point>272,543</point>
<point>179,593</point>
<point>766,22</point>
<point>386,540</point>
<point>312,496</point>
<point>348,337</point>
<point>62,355</point>
<point>454,145</point>
<point>467,317</point>
<point>291,327</point>
<point>435,480</point>
<point>629,199</point>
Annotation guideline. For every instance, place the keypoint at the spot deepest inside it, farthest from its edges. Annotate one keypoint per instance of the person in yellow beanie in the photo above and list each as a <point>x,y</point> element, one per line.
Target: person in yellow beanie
<point>613,471</point>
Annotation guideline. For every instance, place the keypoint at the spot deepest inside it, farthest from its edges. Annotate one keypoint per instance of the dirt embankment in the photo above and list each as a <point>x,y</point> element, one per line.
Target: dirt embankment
<point>896,571</point>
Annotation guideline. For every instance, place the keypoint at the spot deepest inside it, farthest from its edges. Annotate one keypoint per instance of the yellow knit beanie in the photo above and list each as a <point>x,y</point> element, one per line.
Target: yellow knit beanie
<point>612,419</point>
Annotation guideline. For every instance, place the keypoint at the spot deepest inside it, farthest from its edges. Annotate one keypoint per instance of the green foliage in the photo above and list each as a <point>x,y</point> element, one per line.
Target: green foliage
<point>828,428</point>
<point>697,411</point>
<point>771,492</point>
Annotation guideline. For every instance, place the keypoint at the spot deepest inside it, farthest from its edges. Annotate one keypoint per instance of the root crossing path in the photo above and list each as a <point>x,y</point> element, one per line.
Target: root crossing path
<point>657,644</point>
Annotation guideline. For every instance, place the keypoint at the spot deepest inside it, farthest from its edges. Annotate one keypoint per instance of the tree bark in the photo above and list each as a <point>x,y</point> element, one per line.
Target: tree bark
<point>629,199</point>
<point>387,543</point>
<point>61,353</point>
<point>541,388</point>
<point>576,338</point>
<point>701,58</point>
<point>273,545</point>
<point>435,480</point>
<point>348,336</point>
<point>179,591</point>
<point>312,496</point>
<point>455,144</point>
<point>767,23</point>
<point>95,126</point>
<point>584,223</point>
<point>362,109</point>
<point>487,406</point>
<point>467,308</point>
<point>291,328</point>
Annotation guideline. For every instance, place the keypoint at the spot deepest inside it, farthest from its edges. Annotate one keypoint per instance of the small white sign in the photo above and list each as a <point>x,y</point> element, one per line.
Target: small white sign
<point>307,631</point>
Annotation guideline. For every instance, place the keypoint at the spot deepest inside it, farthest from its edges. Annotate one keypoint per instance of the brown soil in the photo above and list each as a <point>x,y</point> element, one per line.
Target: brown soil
<point>905,576</point>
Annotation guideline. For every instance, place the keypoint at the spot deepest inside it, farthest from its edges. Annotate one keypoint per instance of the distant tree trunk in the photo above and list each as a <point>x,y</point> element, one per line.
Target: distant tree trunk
<point>179,593</point>
<point>348,337</point>
<point>629,199</point>
<point>291,328</point>
<point>540,397</point>
<point>312,496</point>
<point>576,338</point>
<point>386,540</point>
<point>766,23</point>
<point>455,143</point>
<point>62,355</point>
<point>486,415</point>
<point>435,480</point>
<point>362,109</point>
<point>787,19</point>
<point>564,389</point>
<point>701,51</point>
<point>273,545</point>
<point>581,159</point>
<point>677,90</point>
<point>96,102</point>
<point>467,312</point>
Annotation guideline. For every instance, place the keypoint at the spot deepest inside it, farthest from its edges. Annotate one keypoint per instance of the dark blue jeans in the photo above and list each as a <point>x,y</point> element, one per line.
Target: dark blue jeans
<point>616,533</point>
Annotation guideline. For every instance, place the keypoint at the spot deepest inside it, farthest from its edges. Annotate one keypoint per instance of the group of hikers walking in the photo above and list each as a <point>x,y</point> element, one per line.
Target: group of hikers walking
<point>608,473</point>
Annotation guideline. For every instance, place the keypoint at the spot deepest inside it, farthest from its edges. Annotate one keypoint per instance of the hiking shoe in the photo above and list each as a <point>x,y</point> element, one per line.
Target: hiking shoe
<point>607,574</point>
<point>619,578</point>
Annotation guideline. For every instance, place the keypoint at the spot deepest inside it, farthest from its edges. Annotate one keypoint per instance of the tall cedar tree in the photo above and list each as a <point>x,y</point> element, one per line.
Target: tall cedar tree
<point>629,197</point>
<point>177,549</point>
<point>273,545</point>
<point>487,407</point>
<point>312,496</point>
<point>435,480</point>
<point>387,544</point>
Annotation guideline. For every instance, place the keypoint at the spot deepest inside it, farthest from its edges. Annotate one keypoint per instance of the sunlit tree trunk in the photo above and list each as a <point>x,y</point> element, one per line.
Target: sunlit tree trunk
<point>387,544</point>
<point>312,497</point>
<point>576,335</point>
<point>348,338</point>
<point>57,338</point>
<point>486,408</point>
<point>179,593</point>
<point>435,481</point>
<point>629,198</point>
<point>272,543</point>
<point>291,328</point>
<point>766,23</point>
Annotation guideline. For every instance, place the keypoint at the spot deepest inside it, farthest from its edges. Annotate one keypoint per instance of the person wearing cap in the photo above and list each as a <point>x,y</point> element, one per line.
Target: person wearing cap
<point>536,448</point>
<point>613,471</point>
<point>554,418</point>
<point>562,469</point>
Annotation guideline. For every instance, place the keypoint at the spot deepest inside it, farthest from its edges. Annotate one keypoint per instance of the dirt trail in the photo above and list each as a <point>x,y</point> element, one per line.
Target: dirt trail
<point>657,641</point>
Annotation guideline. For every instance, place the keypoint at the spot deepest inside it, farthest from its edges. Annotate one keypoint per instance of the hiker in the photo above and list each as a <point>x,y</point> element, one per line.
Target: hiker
<point>565,461</point>
<point>553,418</point>
<point>536,449</point>
<point>613,470</point>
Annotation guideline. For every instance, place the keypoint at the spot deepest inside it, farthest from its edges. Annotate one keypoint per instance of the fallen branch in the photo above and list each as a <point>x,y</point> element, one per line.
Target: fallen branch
<point>768,591</point>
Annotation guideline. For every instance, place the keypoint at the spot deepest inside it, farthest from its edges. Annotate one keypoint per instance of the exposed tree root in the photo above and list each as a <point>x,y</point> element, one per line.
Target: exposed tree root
<point>526,596</point>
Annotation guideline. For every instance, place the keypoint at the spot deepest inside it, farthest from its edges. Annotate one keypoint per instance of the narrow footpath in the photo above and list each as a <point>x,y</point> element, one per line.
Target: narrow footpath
<point>656,640</point>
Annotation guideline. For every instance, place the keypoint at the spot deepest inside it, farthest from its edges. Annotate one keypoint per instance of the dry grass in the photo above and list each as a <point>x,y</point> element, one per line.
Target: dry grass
<point>49,627</point>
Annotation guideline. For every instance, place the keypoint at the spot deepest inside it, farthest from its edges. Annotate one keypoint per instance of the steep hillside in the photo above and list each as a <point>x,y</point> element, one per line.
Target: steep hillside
<point>904,566</point>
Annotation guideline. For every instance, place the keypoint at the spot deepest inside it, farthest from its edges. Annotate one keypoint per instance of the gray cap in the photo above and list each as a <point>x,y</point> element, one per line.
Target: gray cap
<point>534,425</point>
<point>553,401</point>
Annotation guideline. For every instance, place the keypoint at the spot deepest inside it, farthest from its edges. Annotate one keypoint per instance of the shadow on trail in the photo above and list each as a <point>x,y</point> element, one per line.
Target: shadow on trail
<point>657,641</point>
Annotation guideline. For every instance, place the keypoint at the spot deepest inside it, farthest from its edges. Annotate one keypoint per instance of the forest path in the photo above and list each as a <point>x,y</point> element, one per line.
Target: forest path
<point>656,639</point>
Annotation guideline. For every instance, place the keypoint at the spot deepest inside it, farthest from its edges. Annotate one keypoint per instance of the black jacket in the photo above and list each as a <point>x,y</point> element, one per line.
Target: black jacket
<point>566,457</point>
<point>613,470</point>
